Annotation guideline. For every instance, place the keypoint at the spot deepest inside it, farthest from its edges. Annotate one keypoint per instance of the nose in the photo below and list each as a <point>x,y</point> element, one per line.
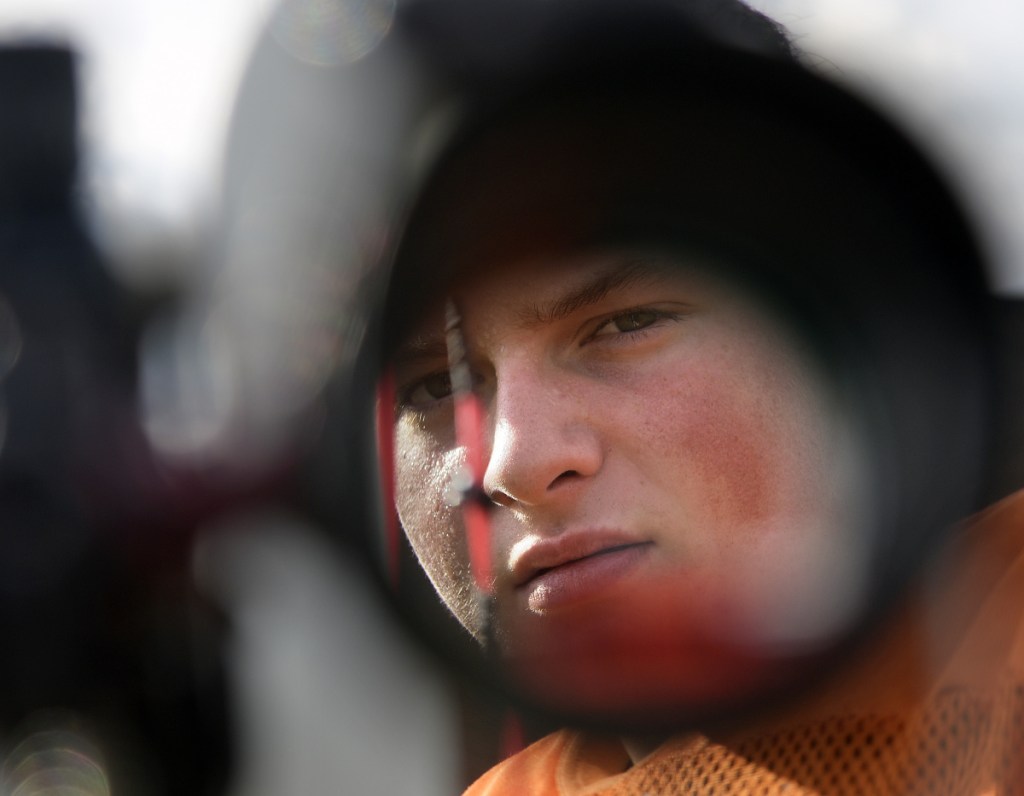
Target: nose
<point>545,447</point>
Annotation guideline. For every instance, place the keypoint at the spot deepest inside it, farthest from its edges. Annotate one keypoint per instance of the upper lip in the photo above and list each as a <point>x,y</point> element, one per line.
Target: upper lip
<point>537,554</point>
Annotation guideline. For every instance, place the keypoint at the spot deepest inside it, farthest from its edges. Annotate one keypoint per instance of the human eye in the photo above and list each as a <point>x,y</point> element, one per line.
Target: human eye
<point>426,391</point>
<point>630,322</point>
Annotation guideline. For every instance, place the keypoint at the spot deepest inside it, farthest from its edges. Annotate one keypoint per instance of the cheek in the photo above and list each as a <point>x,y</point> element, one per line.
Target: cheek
<point>740,437</point>
<point>717,452</point>
<point>423,472</point>
<point>765,510</point>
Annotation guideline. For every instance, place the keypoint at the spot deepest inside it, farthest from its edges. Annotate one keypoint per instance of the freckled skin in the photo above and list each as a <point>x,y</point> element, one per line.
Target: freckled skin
<point>707,435</point>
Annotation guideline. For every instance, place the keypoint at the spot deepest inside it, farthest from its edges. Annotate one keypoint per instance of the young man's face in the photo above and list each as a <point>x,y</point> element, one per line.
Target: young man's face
<point>662,459</point>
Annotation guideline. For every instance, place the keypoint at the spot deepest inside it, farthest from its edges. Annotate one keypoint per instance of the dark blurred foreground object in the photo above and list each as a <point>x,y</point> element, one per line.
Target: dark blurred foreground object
<point>338,140</point>
<point>110,678</point>
<point>458,131</point>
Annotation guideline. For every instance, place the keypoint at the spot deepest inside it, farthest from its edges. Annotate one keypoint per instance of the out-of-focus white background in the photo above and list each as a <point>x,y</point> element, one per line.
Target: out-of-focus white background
<point>953,74</point>
<point>159,76</point>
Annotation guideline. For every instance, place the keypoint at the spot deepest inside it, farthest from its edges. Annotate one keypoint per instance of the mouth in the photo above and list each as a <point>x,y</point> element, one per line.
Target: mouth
<point>561,571</point>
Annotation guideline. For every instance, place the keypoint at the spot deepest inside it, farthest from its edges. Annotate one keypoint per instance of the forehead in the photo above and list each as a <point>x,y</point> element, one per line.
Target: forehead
<point>554,286</point>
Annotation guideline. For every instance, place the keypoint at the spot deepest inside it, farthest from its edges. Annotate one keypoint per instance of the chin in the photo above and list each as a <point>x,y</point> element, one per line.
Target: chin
<point>651,655</point>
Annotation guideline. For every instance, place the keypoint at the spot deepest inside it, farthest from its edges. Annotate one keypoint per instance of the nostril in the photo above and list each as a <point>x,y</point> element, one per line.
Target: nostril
<point>500,498</point>
<point>568,475</point>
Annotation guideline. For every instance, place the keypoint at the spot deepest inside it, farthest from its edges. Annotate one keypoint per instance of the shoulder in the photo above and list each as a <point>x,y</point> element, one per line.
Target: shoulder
<point>1006,515</point>
<point>980,590</point>
<point>985,559</point>
<point>533,770</point>
<point>560,763</point>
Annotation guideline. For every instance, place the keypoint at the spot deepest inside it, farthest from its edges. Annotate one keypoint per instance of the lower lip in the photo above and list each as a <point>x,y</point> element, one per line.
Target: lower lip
<point>583,579</point>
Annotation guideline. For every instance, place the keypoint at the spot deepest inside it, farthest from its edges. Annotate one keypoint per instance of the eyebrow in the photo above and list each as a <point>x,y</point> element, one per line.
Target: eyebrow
<point>617,276</point>
<point>420,348</point>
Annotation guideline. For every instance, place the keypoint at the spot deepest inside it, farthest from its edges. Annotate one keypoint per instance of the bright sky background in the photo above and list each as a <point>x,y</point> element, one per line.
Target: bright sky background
<point>159,76</point>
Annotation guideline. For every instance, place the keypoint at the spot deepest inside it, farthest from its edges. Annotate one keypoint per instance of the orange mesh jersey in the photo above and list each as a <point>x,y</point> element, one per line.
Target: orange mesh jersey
<point>934,707</point>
